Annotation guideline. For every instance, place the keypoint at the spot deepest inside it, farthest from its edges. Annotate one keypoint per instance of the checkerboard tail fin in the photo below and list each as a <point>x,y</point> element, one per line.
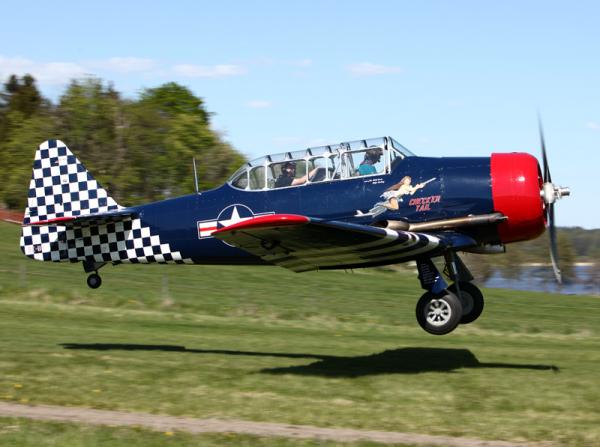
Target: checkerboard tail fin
<point>61,187</point>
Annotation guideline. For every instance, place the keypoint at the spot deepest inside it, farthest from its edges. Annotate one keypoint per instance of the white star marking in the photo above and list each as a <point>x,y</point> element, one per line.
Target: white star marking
<point>235,218</point>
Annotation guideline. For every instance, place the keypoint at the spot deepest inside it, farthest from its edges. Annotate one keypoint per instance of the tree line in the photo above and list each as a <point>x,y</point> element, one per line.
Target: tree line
<point>139,149</point>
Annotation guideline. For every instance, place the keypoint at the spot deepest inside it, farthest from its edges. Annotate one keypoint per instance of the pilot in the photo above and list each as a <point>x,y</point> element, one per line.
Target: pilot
<point>372,157</point>
<point>288,176</point>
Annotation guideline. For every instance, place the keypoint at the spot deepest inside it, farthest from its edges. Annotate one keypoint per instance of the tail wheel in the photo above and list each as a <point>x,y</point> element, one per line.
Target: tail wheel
<point>94,281</point>
<point>439,314</point>
<point>471,299</point>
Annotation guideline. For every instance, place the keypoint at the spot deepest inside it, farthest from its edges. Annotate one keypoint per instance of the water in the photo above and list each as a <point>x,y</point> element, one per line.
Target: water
<point>541,279</point>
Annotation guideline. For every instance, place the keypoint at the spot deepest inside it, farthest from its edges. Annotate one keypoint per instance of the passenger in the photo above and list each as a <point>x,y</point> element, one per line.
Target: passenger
<point>288,176</point>
<point>372,157</point>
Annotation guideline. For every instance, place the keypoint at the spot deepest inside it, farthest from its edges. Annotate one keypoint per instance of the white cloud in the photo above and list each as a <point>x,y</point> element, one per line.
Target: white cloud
<point>61,73</point>
<point>259,104</point>
<point>48,73</point>
<point>369,69</point>
<point>592,125</point>
<point>203,71</point>
<point>124,64</point>
<point>16,65</point>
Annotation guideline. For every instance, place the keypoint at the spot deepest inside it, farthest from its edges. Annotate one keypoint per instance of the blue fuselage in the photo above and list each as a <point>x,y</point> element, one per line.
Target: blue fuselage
<point>461,187</point>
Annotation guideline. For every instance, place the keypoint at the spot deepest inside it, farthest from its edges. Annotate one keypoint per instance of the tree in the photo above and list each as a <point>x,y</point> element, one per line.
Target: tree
<point>25,121</point>
<point>89,114</point>
<point>217,160</point>
<point>165,129</point>
<point>142,135</point>
<point>172,99</point>
<point>17,155</point>
<point>21,95</point>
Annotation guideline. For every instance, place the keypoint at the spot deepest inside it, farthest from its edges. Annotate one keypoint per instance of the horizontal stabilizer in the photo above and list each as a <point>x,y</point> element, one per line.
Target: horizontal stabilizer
<point>87,219</point>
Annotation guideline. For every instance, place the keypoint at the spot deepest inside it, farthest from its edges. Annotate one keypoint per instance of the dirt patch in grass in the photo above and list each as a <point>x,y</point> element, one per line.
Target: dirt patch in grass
<point>191,425</point>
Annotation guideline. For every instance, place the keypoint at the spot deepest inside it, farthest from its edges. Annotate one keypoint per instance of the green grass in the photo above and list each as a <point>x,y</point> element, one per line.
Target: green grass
<point>328,349</point>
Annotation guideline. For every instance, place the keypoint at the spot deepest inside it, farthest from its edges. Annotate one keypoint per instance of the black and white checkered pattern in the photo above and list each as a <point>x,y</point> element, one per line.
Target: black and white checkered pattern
<point>61,187</point>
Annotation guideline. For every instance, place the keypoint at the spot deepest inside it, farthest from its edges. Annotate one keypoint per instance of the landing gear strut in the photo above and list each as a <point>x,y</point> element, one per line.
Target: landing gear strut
<point>442,308</point>
<point>93,281</point>
<point>470,296</point>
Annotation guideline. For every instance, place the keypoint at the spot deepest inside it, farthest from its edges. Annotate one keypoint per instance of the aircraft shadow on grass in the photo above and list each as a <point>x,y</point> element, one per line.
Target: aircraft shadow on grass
<point>395,361</point>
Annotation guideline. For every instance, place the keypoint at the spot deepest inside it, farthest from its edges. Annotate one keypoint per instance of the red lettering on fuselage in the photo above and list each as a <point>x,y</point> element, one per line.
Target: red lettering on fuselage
<point>423,203</point>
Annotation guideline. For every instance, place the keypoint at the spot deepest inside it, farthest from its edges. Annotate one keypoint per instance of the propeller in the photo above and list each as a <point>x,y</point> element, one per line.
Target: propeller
<point>550,194</point>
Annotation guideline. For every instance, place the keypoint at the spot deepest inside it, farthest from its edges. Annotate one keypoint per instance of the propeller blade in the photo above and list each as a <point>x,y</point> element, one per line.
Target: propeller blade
<point>553,246</point>
<point>550,196</point>
<point>547,177</point>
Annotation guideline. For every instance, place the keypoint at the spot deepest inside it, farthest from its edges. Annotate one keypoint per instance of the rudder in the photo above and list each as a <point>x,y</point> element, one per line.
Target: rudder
<point>61,186</point>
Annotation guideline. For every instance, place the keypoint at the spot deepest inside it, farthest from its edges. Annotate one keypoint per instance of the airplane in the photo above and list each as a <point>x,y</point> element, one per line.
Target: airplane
<point>350,205</point>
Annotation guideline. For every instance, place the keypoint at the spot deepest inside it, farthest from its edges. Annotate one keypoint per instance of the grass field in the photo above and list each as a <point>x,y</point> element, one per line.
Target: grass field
<point>330,349</point>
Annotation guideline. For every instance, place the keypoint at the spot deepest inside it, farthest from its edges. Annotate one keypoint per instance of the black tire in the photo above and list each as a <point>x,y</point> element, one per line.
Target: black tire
<point>94,281</point>
<point>471,299</point>
<point>439,314</point>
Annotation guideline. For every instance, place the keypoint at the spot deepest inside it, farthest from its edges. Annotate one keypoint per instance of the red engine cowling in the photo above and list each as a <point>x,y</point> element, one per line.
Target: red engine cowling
<point>516,184</point>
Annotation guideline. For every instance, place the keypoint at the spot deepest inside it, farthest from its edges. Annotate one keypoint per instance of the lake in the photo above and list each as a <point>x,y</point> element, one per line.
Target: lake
<point>541,279</point>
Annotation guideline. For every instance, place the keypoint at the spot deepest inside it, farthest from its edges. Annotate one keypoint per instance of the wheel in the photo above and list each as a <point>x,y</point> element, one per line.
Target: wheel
<point>94,281</point>
<point>439,314</point>
<point>471,299</point>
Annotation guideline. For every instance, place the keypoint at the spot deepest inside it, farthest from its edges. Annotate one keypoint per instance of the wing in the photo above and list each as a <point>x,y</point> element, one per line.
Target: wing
<point>302,243</point>
<point>87,219</point>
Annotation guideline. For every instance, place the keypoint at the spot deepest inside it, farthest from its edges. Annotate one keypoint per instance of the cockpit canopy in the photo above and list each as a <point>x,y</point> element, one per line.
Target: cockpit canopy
<point>375,156</point>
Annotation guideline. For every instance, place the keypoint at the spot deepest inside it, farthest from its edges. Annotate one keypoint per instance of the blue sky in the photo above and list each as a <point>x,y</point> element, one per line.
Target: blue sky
<point>445,78</point>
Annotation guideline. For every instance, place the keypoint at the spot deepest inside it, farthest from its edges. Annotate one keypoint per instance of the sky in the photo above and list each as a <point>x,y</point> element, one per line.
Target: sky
<point>444,78</point>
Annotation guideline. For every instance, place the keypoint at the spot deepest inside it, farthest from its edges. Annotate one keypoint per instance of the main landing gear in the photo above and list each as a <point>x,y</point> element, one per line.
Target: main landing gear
<point>93,280</point>
<point>471,300</point>
<point>440,313</point>
<point>441,309</point>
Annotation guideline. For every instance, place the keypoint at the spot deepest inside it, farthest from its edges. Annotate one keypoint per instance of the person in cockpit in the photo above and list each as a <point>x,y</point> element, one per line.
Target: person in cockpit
<point>372,157</point>
<point>288,176</point>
